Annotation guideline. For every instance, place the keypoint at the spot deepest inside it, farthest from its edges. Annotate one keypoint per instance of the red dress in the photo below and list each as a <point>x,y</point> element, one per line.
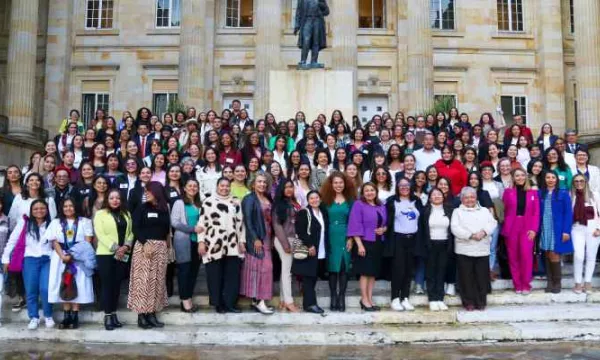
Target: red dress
<point>455,172</point>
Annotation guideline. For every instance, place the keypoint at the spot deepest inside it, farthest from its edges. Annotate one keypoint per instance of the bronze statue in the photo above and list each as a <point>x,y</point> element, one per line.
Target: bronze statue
<point>310,26</point>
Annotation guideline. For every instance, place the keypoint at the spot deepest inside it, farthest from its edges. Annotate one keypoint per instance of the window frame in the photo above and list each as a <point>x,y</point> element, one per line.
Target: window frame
<point>170,17</point>
<point>572,16</point>
<point>439,12</point>
<point>509,4</point>
<point>101,4</point>
<point>383,17</point>
<point>514,107</point>
<point>96,95</point>
<point>453,95</point>
<point>170,96</point>
<point>239,17</point>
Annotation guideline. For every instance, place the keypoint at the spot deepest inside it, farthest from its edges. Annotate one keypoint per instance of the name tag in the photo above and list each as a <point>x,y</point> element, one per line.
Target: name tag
<point>123,186</point>
<point>152,215</point>
<point>174,194</point>
<point>561,177</point>
<point>229,161</point>
<point>366,152</point>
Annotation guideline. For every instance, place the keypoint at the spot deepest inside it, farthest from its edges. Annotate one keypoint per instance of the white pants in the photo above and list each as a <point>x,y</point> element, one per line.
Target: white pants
<point>285,283</point>
<point>586,247</point>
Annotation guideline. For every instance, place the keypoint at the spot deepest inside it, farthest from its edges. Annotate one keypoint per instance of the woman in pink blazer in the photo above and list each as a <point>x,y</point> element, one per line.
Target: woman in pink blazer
<point>521,225</point>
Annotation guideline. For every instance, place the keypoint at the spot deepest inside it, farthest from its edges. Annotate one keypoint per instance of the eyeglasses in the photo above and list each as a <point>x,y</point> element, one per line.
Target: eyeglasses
<point>579,181</point>
<point>380,173</point>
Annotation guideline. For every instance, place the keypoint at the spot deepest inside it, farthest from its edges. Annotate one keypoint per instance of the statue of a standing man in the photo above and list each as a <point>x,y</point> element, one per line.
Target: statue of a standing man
<point>310,24</point>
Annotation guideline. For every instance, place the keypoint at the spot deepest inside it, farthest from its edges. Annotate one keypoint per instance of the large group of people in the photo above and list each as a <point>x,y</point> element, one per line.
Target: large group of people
<point>424,202</point>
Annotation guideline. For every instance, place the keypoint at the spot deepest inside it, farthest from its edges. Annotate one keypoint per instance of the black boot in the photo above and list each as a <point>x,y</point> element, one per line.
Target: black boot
<point>109,325</point>
<point>549,277</point>
<point>66,323</point>
<point>142,321</point>
<point>152,320</point>
<point>343,279</point>
<point>115,320</point>
<point>557,277</point>
<point>333,277</point>
<point>74,320</point>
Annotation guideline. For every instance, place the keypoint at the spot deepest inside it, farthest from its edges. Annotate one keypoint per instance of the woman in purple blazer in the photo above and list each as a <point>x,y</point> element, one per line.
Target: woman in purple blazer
<point>367,226</point>
<point>521,225</point>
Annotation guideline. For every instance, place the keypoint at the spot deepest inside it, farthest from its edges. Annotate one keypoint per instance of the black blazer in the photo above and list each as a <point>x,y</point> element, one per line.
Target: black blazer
<point>138,140</point>
<point>310,265</point>
<point>389,245</point>
<point>424,238</point>
<point>135,197</point>
<point>577,147</point>
<point>254,222</point>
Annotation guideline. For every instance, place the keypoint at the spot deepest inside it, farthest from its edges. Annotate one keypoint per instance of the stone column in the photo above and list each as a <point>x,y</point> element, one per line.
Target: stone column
<point>21,67</point>
<point>343,19</point>
<point>58,61</point>
<point>420,57</point>
<point>587,64</point>
<point>551,64</point>
<point>268,53</point>
<point>192,54</point>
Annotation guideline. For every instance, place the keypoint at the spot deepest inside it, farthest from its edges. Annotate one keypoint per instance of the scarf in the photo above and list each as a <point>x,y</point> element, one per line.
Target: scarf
<point>579,208</point>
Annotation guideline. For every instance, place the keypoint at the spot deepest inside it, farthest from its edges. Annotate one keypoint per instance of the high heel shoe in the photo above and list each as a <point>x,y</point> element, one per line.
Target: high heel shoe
<point>365,308</point>
<point>192,310</point>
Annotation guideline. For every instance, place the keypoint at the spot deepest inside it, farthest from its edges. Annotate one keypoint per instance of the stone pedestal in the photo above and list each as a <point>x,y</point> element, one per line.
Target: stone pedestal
<point>312,91</point>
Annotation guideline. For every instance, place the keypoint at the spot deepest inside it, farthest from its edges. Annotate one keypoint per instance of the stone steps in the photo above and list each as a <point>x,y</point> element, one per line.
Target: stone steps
<point>261,335</point>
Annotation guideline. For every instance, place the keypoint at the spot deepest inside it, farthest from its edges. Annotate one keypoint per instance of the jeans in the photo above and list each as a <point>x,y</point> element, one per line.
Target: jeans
<point>493,248</point>
<point>36,271</point>
<point>420,271</point>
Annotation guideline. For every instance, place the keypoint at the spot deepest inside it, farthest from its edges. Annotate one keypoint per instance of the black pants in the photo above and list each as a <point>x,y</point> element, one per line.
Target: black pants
<point>451,269</point>
<point>111,273</point>
<point>473,279</point>
<point>187,273</point>
<point>311,38</point>
<point>403,264</point>
<point>435,273</point>
<point>223,278</point>
<point>169,282</point>
<point>309,297</point>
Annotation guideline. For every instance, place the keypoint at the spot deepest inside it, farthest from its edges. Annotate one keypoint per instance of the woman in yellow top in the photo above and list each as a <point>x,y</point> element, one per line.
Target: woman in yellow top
<point>114,233</point>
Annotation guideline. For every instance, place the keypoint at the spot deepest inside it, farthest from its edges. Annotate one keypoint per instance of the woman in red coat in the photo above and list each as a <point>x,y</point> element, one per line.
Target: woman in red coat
<point>452,169</point>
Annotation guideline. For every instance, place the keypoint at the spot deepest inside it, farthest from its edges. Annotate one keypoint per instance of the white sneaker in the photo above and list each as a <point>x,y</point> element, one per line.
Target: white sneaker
<point>450,290</point>
<point>434,306</point>
<point>396,305</point>
<point>49,323</point>
<point>442,306</point>
<point>263,308</point>
<point>419,290</point>
<point>406,305</point>
<point>33,324</point>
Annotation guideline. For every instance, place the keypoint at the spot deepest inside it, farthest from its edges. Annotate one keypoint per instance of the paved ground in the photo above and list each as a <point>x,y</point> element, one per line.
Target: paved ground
<point>521,351</point>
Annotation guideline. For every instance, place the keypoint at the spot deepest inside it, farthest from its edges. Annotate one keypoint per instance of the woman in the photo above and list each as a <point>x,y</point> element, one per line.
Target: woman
<point>252,148</point>
<point>521,226</point>
<point>403,211</point>
<point>555,162</point>
<point>472,226</point>
<point>113,172</point>
<point>432,177</point>
<point>338,195</point>
<point>185,220</point>
<point>238,187</point>
<point>555,228</point>
<point>147,288</point>
<point>367,227</point>
<point>36,261</point>
<point>340,159</point>
<point>175,184</point>
<point>495,189</point>
<point>452,169</point>
<point>585,232</point>
<point>12,187</point>
<point>379,159</point>
<point>409,168</point>
<point>285,212</point>
<point>70,235</point>
<point>303,186</point>
<point>274,170</point>
<point>98,158</point>
<point>311,228</point>
<point>113,228</point>
<point>469,159</point>
<point>93,203</point>
<point>435,241</point>
<point>591,172</point>
<point>394,160</point>
<point>209,174</point>
<point>155,149</point>
<point>505,173</point>
<point>383,180</point>
<point>22,203</point>
<point>546,139</point>
<point>257,269</point>
<point>322,168</point>
<point>535,171</point>
<point>77,148</point>
<point>353,173</point>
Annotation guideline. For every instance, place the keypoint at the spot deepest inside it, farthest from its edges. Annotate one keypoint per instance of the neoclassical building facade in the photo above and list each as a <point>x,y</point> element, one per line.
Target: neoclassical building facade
<point>538,58</point>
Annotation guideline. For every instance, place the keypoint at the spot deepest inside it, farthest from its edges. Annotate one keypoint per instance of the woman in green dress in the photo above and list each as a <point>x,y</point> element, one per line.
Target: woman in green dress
<point>338,194</point>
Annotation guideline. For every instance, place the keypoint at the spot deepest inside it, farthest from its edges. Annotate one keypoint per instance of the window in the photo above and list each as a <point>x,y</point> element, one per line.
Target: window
<point>572,16</point>
<point>371,14</point>
<point>575,108</point>
<point>4,16</point>
<point>161,102</point>
<point>168,13</point>
<point>92,102</point>
<point>99,14</point>
<point>510,15</point>
<point>450,100</point>
<point>247,103</point>
<point>239,13</point>
<point>442,14</point>
<point>368,106</point>
<point>513,105</point>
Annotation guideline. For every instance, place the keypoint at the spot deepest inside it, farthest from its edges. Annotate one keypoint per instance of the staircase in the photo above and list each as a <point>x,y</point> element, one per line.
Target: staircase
<point>509,317</point>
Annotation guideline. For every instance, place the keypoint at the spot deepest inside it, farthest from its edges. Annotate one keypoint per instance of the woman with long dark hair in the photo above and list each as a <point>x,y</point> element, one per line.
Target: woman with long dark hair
<point>147,287</point>
<point>209,174</point>
<point>32,191</point>
<point>12,187</point>
<point>94,202</point>
<point>113,228</point>
<point>554,161</point>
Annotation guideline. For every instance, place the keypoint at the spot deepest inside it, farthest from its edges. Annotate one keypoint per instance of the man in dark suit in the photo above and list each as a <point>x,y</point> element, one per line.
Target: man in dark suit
<point>143,141</point>
<point>572,145</point>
